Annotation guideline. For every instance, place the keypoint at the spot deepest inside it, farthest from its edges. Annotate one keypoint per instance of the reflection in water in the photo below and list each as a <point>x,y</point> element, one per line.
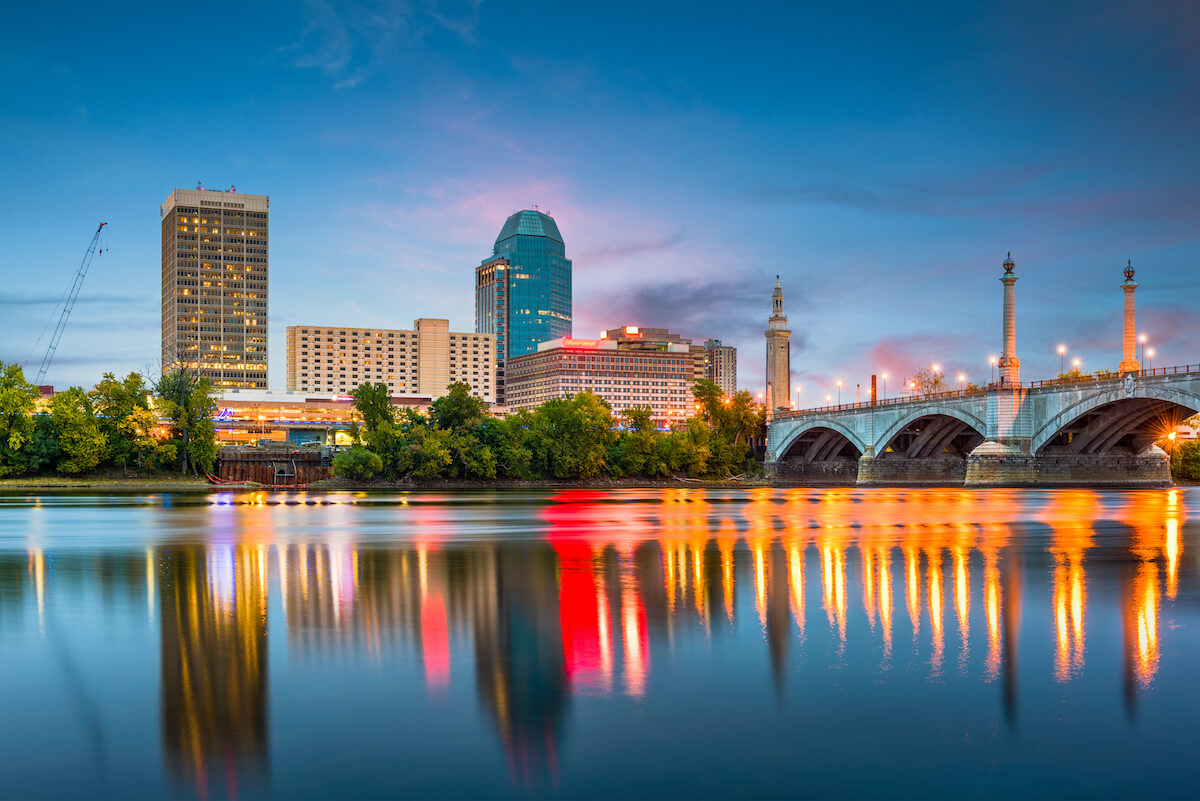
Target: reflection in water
<point>591,606</point>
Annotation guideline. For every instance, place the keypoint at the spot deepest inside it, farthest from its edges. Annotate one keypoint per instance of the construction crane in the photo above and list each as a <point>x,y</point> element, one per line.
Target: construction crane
<point>68,305</point>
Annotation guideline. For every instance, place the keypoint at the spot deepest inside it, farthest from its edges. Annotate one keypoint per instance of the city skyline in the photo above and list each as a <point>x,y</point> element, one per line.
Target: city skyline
<point>393,143</point>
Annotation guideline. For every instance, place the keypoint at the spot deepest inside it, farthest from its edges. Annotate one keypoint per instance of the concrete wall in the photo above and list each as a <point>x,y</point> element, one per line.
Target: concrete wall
<point>899,471</point>
<point>837,473</point>
<point>1152,469</point>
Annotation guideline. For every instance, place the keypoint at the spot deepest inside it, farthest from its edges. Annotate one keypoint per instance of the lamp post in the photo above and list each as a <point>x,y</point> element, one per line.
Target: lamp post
<point>885,386</point>
<point>1142,342</point>
<point>1076,364</point>
<point>1062,358</point>
<point>797,396</point>
<point>1149,358</point>
<point>839,386</point>
<point>828,400</point>
<point>962,379</point>
<point>992,363</point>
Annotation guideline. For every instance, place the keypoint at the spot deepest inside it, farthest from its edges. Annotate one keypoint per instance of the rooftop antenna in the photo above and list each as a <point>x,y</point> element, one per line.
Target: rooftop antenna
<point>199,184</point>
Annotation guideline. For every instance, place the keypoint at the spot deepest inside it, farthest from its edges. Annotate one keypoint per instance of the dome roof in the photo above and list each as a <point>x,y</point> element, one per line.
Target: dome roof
<point>530,223</point>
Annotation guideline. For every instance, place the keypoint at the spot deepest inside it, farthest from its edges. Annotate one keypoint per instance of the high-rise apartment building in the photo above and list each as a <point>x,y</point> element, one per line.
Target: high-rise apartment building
<point>422,361</point>
<point>214,286</point>
<point>523,290</point>
<point>779,354</point>
<point>720,365</point>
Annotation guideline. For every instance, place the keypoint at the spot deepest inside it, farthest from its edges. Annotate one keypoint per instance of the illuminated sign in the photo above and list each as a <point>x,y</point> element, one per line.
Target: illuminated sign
<point>632,330</point>
<point>223,415</point>
<point>580,343</point>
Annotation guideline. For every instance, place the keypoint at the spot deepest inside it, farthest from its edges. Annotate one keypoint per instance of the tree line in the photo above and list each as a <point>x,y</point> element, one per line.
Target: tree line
<point>111,425</point>
<point>565,438</point>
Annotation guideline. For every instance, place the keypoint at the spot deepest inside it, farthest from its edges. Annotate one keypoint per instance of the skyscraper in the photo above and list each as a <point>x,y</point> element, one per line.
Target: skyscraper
<point>779,353</point>
<point>720,365</point>
<point>523,290</point>
<point>214,286</point>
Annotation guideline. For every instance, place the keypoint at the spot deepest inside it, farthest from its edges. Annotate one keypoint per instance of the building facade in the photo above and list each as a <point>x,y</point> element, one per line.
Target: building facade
<point>523,290</point>
<point>214,286</point>
<point>720,365</point>
<point>246,417</point>
<point>623,376</point>
<point>422,361</point>
<point>632,337</point>
<point>779,354</point>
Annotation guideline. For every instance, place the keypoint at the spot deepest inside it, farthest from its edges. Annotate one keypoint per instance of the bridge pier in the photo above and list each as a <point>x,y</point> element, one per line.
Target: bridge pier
<point>901,471</point>
<point>990,467</point>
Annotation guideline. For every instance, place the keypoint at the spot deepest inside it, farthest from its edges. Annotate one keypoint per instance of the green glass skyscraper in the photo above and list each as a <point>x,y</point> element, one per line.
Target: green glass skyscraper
<point>523,290</point>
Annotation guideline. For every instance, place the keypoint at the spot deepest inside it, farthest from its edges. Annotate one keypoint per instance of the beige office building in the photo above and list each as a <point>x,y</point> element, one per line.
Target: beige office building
<point>214,286</point>
<point>422,361</point>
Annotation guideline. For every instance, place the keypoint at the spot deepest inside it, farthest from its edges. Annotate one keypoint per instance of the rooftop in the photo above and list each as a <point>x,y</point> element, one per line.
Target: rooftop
<point>530,223</point>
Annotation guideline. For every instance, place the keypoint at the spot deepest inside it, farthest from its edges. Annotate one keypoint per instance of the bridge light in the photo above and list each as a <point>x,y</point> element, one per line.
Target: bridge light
<point>937,368</point>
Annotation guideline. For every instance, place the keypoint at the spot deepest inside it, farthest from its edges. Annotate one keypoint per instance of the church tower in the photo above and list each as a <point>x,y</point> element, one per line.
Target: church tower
<point>779,354</point>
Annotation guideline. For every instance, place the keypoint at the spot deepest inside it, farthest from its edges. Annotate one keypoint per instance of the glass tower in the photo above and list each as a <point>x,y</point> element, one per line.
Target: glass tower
<point>523,290</point>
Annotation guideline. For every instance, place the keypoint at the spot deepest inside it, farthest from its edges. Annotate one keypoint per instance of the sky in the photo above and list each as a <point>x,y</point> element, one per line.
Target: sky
<point>882,159</point>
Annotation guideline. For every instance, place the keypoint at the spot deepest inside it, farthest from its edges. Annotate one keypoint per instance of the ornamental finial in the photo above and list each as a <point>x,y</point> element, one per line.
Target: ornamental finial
<point>1009,264</point>
<point>1129,270</point>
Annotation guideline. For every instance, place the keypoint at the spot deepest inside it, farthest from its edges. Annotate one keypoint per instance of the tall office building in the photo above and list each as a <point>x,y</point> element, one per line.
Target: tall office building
<point>214,286</point>
<point>720,365</point>
<point>523,290</point>
<point>779,353</point>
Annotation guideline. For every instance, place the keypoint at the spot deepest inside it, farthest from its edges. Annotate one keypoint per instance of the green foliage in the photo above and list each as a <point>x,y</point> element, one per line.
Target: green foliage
<point>80,440</point>
<point>357,463</point>
<point>1185,460</point>
<point>458,410</point>
<point>565,438</point>
<point>123,412</point>
<point>187,401</point>
<point>18,398</point>
<point>374,403</point>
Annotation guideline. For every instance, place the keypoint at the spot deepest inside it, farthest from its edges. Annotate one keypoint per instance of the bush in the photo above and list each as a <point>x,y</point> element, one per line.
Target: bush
<point>1185,460</point>
<point>357,463</point>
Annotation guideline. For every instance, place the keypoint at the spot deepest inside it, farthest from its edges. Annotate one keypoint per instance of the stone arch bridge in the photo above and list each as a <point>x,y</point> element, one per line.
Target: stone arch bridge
<point>1092,431</point>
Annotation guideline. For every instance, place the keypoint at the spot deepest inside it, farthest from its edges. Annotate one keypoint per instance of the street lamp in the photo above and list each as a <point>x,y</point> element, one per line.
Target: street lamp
<point>797,396</point>
<point>1076,363</point>
<point>1142,342</point>
<point>962,379</point>
<point>1062,358</point>
<point>992,363</point>
<point>839,386</point>
<point>885,386</point>
<point>1149,358</point>
<point>828,400</point>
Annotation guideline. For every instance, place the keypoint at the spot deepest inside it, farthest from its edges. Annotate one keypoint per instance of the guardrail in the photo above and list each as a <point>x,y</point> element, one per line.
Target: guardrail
<point>959,393</point>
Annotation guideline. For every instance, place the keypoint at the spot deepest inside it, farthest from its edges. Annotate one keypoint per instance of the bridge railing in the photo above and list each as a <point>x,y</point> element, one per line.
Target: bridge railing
<point>1114,376</point>
<point>959,393</point>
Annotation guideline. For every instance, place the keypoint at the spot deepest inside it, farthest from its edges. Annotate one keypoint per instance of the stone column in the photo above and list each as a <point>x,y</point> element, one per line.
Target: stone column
<point>1010,365</point>
<point>1129,362</point>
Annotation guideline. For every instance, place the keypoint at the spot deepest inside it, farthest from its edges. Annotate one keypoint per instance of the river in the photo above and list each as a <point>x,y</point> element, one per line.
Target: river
<point>831,643</point>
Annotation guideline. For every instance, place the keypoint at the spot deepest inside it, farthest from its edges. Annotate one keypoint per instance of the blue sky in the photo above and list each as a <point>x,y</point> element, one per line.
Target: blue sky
<point>882,159</point>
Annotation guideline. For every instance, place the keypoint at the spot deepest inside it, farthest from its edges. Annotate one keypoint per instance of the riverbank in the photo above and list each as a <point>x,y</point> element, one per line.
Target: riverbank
<point>192,484</point>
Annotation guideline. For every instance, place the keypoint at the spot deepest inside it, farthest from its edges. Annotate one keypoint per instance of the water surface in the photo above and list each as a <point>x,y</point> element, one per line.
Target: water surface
<point>580,644</point>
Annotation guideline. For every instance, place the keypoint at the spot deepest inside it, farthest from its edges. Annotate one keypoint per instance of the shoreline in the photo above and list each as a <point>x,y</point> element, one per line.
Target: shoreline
<point>191,484</point>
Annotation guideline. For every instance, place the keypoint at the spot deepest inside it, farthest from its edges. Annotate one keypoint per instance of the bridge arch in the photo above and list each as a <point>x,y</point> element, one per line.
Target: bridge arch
<point>799,441</point>
<point>969,423</point>
<point>1126,415</point>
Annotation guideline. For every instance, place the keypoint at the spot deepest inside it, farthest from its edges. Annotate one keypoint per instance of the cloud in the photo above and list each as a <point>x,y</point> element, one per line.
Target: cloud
<point>87,300</point>
<point>602,254</point>
<point>349,42</point>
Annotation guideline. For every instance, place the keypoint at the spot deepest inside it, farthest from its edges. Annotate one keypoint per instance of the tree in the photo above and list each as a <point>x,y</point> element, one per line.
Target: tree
<point>929,382</point>
<point>187,400</point>
<point>571,436</point>
<point>357,463</point>
<point>374,404</point>
<point>18,399</point>
<point>123,413</point>
<point>82,442</point>
<point>458,410</point>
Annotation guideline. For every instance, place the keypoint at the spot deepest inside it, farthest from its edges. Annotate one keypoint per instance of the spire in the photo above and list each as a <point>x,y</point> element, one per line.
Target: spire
<point>778,316</point>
